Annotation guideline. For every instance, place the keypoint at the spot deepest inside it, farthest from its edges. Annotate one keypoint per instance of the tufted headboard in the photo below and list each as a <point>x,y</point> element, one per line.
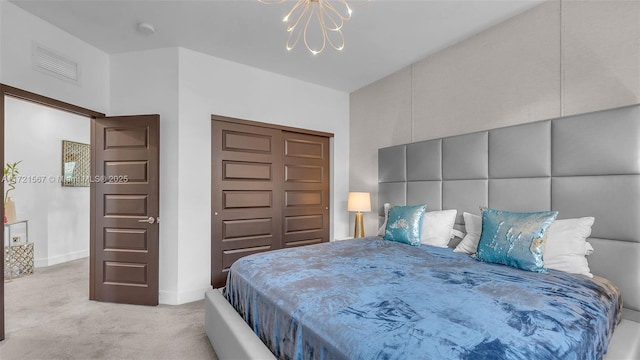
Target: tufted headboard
<point>583,165</point>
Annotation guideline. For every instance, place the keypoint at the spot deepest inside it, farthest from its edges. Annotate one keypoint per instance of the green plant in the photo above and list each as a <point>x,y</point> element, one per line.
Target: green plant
<point>11,173</point>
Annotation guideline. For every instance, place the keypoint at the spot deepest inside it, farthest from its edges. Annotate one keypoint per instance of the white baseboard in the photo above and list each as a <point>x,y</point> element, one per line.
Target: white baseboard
<point>59,259</point>
<point>168,297</point>
<point>164,296</point>
<point>182,297</point>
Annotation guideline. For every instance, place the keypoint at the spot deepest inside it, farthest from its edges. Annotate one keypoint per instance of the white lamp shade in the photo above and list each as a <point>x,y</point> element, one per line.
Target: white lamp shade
<point>359,201</point>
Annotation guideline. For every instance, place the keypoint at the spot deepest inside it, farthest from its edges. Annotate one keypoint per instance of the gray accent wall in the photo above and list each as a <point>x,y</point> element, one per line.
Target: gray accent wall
<point>560,58</point>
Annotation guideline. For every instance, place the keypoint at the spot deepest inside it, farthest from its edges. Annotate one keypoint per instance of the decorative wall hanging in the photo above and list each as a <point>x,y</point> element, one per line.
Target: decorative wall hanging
<point>76,163</point>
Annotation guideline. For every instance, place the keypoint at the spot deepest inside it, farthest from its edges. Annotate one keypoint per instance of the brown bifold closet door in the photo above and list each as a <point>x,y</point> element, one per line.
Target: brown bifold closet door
<point>269,190</point>
<point>246,183</point>
<point>124,225</point>
<point>306,189</point>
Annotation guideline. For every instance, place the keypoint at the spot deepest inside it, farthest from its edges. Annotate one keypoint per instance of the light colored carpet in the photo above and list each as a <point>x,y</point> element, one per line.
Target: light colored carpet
<point>48,316</point>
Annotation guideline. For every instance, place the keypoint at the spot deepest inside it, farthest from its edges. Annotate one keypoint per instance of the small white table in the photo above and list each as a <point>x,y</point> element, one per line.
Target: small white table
<point>18,255</point>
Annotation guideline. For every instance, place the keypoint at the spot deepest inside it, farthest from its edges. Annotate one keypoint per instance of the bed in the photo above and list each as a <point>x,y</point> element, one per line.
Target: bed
<point>585,165</point>
<point>377,299</point>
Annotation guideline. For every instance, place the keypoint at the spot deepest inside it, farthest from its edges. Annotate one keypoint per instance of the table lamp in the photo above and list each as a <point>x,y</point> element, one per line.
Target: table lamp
<point>358,202</point>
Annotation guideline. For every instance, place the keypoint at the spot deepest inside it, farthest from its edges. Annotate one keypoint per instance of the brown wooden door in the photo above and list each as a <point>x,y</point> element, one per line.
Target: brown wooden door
<point>125,197</point>
<point>245,182</point>
<point>306,189</point>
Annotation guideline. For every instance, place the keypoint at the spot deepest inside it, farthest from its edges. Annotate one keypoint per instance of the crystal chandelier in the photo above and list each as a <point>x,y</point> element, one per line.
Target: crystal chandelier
<point>322,19</point>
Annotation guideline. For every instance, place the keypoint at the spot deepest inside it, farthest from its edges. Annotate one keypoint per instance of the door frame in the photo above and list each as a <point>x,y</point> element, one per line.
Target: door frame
<point>6,90</point>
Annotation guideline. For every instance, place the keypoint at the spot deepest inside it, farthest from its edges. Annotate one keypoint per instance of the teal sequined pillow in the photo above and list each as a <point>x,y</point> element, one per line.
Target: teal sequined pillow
<point>405,224</point>
<point>515,239</point>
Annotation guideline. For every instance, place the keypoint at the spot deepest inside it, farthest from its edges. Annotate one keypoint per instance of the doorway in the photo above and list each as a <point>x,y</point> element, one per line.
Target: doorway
<point>51,193</point>
<point>15,93</point>
<point>124,233</point>
<point>50,222</point>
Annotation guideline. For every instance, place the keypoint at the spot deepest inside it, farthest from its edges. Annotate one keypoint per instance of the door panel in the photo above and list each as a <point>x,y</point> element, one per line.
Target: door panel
<point>306,189</point>
<point>137,171</point>
<point>236,170</point>
<point>303,173</point>
<point>125,191</point>
<point>304,148</point>
<point>302,198</point>
<point>246,179</point>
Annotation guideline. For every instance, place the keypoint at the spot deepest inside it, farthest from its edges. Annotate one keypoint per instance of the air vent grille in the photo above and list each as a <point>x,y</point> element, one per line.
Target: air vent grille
<point>51,63</point>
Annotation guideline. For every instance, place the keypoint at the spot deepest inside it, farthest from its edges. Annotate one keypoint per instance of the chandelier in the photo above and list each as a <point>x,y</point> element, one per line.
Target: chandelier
<point>316,22</point>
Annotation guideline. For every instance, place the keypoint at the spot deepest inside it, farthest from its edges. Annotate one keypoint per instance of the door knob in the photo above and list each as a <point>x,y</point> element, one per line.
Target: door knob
<point>150,220</point>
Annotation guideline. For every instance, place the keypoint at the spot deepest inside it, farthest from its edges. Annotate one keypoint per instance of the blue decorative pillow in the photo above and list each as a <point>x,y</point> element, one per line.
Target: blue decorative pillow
<point>405,224</point>
<point>514,239</point>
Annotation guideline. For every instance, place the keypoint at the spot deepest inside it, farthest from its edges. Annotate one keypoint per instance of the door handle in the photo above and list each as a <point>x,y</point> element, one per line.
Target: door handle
<point>150,220</point>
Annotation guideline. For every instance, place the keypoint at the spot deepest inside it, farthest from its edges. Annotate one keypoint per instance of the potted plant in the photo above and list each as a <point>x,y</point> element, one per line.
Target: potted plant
<point>11,173</point>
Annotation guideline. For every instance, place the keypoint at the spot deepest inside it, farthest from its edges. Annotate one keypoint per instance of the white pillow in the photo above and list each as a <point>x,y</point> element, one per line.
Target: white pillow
<point>457,233</point>
<point>437,227</point>
<point>383,228</point>
<point>566,247</point>
<point>588,249</point>
<point>473,228</point>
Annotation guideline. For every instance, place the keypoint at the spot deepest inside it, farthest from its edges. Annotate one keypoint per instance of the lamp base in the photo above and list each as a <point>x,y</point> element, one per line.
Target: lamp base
<point>358,230</point>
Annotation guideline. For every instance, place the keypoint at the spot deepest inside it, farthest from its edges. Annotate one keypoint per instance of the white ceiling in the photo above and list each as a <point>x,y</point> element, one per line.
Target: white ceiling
<point>381,38</point>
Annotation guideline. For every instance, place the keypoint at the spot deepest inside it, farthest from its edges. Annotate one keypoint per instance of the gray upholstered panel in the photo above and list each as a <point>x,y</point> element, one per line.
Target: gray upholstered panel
<point>465,157</point>
<point>464,195</point>
<point>520,151</point>
<point>527,194</point>
<point>619,260</point>
<point>613,200</point>
<point>425,192</point>
<point>392,164</point>
<point>594,163</point>
<point>424,160</point>
<point>394,193</point>
<point>580,147</point>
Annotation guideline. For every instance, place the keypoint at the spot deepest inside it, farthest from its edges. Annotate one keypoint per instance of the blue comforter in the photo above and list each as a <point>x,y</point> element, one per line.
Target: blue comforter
<point>375,299</point>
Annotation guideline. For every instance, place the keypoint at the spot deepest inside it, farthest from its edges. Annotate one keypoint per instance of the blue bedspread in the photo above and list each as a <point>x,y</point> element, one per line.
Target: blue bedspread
<point>375,299</point>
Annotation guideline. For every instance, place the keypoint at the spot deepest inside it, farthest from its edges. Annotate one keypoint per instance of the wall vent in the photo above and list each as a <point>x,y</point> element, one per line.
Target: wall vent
<point>51,63</point>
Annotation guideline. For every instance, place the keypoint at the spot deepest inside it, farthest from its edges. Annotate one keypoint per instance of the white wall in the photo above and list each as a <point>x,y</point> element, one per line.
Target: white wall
<point>186,88</point>
<point>209,85</point>
<point>1,38</point>
<point>559,58</point>
<point>20,29</point>
<point>147,82</point>
<point>58,216</point>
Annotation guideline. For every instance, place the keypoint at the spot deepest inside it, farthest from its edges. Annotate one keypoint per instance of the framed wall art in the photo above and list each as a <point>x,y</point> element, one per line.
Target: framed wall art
<point>76,163</point>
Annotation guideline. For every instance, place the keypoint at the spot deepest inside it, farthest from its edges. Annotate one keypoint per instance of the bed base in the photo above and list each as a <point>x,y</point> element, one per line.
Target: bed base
<point>232,338</point>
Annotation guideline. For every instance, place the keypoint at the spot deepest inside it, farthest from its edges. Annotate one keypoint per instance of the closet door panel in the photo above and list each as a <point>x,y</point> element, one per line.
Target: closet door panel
<point>305,189</point>
<point>246,183</point>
